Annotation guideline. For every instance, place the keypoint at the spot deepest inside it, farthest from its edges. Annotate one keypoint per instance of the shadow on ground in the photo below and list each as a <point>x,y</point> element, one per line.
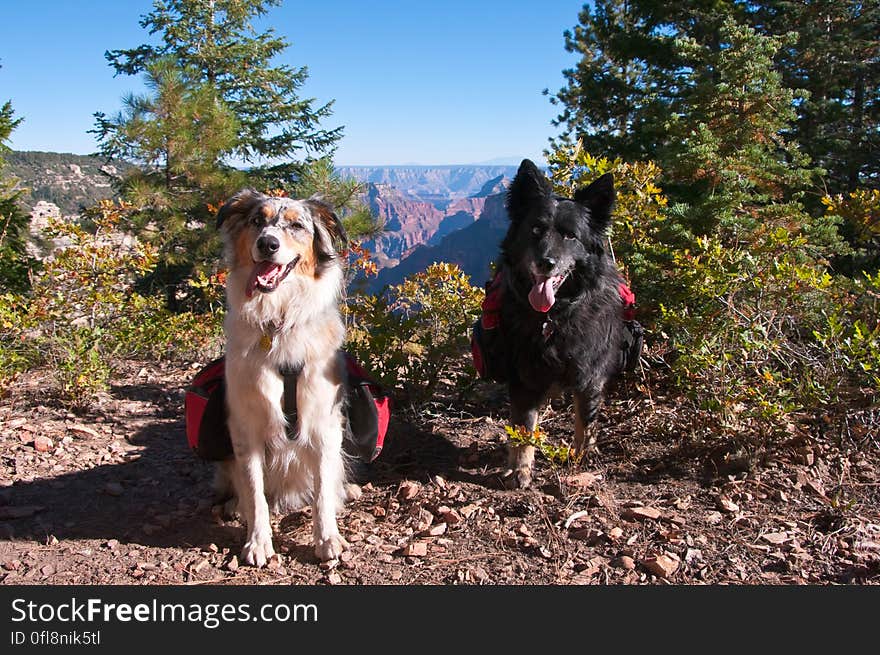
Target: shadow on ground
<point>161,494</point>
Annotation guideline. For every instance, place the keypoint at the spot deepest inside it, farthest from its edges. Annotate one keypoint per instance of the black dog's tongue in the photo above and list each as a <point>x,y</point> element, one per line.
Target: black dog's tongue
<point>543,294</point>
<point>264,274</point>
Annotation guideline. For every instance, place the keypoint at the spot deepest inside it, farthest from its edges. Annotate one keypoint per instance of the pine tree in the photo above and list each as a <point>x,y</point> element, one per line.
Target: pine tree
<point>216,40</point>
<point>177,133</point>
<point>631,76</point>
<point>214,97</point>
<point>14,260</point>
<point>728,160</point>
<point>614,92</point>
<point>320,179</point>
<point>836,61</point>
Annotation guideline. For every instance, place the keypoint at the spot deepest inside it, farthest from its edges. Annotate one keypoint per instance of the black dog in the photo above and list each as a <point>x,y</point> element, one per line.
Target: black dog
<point>561,324</point>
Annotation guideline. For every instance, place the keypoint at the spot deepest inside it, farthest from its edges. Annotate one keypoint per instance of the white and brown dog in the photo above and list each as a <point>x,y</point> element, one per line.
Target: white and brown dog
<point>283,291</point>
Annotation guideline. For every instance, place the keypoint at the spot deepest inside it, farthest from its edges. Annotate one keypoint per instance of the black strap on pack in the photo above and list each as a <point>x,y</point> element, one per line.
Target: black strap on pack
<point>288,399</point>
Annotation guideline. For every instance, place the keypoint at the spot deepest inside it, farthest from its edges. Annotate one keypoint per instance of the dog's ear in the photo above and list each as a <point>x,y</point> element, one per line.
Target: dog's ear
<point>239,205</point>
<point>598,197</point>
<point>328,228</point>
<point>529,188</point>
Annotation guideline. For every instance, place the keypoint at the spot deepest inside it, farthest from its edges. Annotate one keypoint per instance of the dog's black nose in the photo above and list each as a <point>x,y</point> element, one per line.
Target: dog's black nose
<point>546,264</point>
<point>268,245</point>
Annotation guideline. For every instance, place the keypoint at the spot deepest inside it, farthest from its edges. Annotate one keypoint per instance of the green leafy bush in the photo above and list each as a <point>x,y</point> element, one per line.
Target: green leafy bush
<point>83,312</point>
<point>83,370</point>
<point>741,340</point>
<point>850,336</point>
<point>749,319</point>
<point>411,335</point>
<point>859,216</point>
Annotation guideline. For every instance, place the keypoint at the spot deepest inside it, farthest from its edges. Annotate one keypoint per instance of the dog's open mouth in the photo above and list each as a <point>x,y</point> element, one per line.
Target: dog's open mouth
<point>543,293</point>
<point>266,276</point>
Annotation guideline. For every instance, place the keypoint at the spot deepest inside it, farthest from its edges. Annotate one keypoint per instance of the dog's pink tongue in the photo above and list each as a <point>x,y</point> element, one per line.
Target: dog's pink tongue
<point>264,274</point>
<point>543,294</point>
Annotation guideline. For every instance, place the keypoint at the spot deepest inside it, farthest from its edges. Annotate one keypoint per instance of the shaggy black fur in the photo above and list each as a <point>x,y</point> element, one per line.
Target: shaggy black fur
<point>575,344</point>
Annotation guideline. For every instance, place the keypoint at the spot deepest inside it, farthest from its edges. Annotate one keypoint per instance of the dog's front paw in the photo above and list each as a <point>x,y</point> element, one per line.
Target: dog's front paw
<point>518,478</point>
<point>257,551</point>
<point>330,548</point>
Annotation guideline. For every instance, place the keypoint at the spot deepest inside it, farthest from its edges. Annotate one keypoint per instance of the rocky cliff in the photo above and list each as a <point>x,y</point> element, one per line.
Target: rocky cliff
<point>69,181</point>
<point>459,214</point>
<point>410,222</point>
<point>473,248</point>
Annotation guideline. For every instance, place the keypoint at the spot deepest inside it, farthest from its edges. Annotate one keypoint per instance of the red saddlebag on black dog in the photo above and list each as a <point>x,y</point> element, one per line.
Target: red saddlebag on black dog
<point>487,346</point>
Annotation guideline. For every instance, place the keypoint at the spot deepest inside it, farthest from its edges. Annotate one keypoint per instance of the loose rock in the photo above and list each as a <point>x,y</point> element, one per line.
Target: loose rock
<point>642,513</point>
<point>82,430</point>
<point>727,505</point>
<point>416,549</point>
<point>590,535</point>
<point>663,566</point>
<point>624,562</point>
<point>583,479</point>
<point>408,490</point>
<point>43,444</point>
<point>775,538</point>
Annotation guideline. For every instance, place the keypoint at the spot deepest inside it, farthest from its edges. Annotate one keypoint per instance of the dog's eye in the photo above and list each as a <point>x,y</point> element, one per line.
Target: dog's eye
<point>567,235</point>
<point>538,230</point>
<point>297,226</point>
<point>256,220</point>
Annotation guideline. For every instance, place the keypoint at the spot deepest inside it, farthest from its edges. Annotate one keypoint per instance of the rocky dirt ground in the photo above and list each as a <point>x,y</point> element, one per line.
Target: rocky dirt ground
<point>114,496</point>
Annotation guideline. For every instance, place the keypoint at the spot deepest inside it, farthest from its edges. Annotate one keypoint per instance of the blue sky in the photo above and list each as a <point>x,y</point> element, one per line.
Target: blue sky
<point>445,82</point>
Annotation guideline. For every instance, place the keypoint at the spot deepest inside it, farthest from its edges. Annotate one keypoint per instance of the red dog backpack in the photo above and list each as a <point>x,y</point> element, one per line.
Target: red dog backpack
<point>368,409</point>
<point>487,345</point>
<point>485,342</point>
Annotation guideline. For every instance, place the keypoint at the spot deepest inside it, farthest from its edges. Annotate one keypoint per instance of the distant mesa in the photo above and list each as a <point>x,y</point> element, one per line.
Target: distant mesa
<point>512,160</point>
<point>436,184</point>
